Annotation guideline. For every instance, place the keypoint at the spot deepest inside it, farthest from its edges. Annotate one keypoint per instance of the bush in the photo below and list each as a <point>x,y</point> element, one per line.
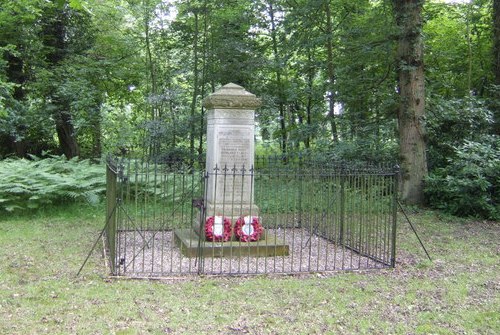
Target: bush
<point>29,184</point>
<point>452,121</point>
<point>468,185</point>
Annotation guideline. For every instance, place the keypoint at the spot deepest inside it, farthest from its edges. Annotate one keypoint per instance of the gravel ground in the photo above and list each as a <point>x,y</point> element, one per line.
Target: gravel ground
<point>308,253</point>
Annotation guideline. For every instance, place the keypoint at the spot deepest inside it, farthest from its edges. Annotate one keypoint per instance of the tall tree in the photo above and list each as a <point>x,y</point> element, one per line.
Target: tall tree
<point>196,82</point>
<point>62,29</point>
<point>19,49</point>
<point>278,69</point>
<point>330,69</point>
<point>411,85</point>
<point>496,61</point>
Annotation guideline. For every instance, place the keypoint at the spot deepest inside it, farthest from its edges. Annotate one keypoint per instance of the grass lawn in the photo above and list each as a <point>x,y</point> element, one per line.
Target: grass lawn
<point>458,293</point>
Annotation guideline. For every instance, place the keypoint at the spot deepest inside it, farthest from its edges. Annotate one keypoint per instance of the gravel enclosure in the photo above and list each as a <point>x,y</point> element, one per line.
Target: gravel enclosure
<point>154,254</point>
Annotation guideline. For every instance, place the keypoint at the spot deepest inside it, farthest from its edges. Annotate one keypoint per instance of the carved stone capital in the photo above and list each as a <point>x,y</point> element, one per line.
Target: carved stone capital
<point>232,96</point>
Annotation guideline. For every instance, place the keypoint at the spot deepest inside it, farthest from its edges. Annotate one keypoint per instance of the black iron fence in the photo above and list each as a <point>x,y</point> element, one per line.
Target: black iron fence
<point>280,216</point>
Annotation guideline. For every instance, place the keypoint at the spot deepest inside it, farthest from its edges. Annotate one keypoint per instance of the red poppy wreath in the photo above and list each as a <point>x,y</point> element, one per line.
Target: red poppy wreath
<point>248,229</point>
<point>218,229</point>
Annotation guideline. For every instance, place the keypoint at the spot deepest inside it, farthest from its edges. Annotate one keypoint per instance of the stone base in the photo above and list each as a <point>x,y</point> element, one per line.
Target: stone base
<point>187,241</point>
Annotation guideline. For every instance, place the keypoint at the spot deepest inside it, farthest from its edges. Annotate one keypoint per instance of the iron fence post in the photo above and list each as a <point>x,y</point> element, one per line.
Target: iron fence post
<point>203,214</point>
<point>111,203</point>
<point>342,207</point>
<point>394,215</point>
<point>300,171</point>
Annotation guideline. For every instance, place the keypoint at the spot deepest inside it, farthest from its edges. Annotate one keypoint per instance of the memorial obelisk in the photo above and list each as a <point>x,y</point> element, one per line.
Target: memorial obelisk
<point>230,151</point>
<point>229,183</point>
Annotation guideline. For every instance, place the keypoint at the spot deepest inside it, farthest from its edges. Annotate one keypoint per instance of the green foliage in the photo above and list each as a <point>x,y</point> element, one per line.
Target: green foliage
<point>452,121</point>
<point>152,184</point>
<point>133,74</point>
<point>468,186</point>
<point>464,160</point>
<point>30,184</point>
<point>360,195</point>
<point>365,150</point>
<point>458,45</point>
<point>65,57</point>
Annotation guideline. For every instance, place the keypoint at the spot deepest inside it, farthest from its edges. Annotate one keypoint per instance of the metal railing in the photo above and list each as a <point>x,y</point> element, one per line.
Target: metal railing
<point>316,217</point>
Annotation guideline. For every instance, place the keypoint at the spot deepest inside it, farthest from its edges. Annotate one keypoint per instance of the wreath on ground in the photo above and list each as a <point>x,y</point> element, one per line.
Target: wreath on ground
<point>218,229</point>
<point>248,229</point>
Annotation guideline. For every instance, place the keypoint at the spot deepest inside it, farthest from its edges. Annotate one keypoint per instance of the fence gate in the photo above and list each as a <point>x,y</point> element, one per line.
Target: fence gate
<point>315,218</point>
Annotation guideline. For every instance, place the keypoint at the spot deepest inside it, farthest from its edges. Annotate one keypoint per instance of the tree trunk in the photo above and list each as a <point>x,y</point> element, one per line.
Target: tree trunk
<point>96,135</point>
<point>411,113</point>
<point>204,70</point>
<point>154,145</point>
<point>66,135</point>
<point>55,38</point>
<point>150,62</point>
<point>309,104</point>
<point>172,113</point>
<point>496,63</point>
<point>330,72</point>
<point>279,82</point>
<point>194,99</point>
<point>15,74</point>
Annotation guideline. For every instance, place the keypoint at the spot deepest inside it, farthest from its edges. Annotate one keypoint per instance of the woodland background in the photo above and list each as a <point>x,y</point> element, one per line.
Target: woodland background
<point>83,78</point>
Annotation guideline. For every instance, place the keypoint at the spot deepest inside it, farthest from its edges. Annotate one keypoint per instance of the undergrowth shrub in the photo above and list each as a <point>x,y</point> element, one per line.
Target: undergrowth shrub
<point>450,122</point>
<point>29,184</point>
<point>469,184</point>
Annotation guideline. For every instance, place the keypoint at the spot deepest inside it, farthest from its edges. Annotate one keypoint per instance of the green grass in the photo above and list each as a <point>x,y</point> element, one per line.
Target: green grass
<point>457,293</point>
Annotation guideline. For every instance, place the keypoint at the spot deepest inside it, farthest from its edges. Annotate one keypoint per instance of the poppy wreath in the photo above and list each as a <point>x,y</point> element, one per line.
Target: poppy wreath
<point>255,232</point>
<point>212,236</point>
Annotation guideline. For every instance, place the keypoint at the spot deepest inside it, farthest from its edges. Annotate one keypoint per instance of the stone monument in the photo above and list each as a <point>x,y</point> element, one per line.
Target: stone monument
<point>230,151</point>
<point>229,194</point>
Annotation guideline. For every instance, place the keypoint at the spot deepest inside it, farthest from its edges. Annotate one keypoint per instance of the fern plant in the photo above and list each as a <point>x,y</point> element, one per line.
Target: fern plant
<point>29,184</point>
